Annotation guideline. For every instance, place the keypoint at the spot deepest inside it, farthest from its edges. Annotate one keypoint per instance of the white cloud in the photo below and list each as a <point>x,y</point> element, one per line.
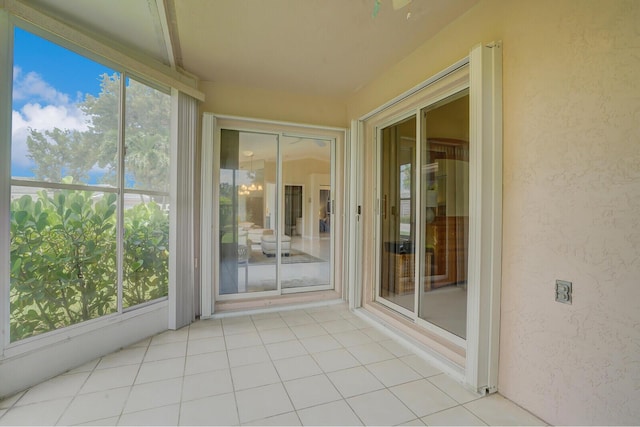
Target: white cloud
<point>45,109</point>
<point>32,88</point>
<point>41,118</point>
<point>50,116</point>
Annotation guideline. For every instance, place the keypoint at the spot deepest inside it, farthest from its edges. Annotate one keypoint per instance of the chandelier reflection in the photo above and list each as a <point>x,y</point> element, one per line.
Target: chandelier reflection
<point>245,190</point>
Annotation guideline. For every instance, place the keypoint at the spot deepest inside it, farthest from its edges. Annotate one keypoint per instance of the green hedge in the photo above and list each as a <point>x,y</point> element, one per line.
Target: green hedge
<point>63,258</point>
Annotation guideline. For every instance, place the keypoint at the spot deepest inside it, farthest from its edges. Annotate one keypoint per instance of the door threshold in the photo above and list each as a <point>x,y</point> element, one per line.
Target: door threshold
<point>449,354</point>
<point>276,303</point>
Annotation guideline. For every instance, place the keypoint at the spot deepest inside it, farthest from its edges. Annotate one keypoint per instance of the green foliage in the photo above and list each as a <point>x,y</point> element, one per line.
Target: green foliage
<point>146,254</point>
<point>63,259</point>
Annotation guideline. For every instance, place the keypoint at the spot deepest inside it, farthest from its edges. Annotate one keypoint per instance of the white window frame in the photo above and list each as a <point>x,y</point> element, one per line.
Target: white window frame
<point>35,341</point>
<point>32,360</point>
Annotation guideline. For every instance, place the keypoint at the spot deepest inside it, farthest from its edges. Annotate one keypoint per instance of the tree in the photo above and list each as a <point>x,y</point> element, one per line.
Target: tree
<point>147,125</point>
<point>60,152</point>
<point>147,136</point>
<point>102,134</point>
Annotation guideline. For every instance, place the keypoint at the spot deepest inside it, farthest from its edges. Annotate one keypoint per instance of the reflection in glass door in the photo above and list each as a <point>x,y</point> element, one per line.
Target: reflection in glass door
<point>445,202</point>
<point>307,178</point>
<point>397,223</point>
<point>274,231</point>
<point>247,212</point>
<point>440,253</point>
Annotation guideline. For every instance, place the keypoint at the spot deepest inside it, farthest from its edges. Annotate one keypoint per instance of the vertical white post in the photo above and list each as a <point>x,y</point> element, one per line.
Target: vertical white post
<point>6,81</point>
<point>485,215</point>
<point>207,244</point>
<point>354,244</point>
<point>173,204</point>
<point>122,124</point>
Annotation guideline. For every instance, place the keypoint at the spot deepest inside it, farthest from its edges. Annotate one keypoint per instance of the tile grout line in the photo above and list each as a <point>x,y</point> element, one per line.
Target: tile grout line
<point>282,382</point>
<point>73,398</point>
<point>323,373</point>
<point>233,386</point>
<point>344,399</point>
<point>146,350</point>
<point>277,373</point>
<point>75,394</point>
<point>387,388</point>
<point>184,370</point>
<point>24,392</point>
<point>21,393</point>
<point>445,392</point>
<point>457,406</point>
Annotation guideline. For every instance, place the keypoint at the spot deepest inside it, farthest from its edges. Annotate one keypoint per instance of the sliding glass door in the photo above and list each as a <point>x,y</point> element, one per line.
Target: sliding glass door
<point>274,224</point>
<point>434,272</point>
<point>442,299</point>
<point>424,214</point>
<point>307,179</point>
<point>397,222</point>
<point>247,211</point>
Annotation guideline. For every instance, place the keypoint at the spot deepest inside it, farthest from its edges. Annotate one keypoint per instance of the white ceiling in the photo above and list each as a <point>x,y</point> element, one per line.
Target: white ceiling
<point>312,47</point>
<point>135,24</point>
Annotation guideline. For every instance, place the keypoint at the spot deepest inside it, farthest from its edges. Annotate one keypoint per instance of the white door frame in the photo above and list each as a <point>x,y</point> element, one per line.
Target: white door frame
<point>210,169</point>
<point>484,79</point>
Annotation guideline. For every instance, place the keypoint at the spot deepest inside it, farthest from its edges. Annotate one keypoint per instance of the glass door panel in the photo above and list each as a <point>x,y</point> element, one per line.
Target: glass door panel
<point>306,240</point>
<point>397,220</point>
<point>445,208</point>
<point>248,212</point>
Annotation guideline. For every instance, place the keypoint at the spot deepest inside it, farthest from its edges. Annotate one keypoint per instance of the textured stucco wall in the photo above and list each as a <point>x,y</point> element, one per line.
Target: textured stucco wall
<point>572,212</point>
<point>571,196</point>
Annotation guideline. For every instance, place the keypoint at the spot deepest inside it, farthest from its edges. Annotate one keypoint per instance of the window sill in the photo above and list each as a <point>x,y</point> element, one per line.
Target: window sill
<point>70,332</point>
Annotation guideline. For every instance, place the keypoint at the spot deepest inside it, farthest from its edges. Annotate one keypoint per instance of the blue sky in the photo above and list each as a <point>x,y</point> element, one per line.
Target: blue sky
<point>63,69</point>
<point>48,83</point>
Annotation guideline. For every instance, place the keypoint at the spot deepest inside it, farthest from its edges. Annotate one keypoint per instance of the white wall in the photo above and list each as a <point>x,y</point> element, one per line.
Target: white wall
<point>571,93</point>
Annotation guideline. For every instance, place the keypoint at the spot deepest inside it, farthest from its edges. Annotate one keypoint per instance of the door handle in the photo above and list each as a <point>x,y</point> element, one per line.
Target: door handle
<point>384,207</point>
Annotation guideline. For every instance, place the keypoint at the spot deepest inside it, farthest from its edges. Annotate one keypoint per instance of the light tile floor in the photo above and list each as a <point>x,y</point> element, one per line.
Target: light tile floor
<point>316,366</point>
